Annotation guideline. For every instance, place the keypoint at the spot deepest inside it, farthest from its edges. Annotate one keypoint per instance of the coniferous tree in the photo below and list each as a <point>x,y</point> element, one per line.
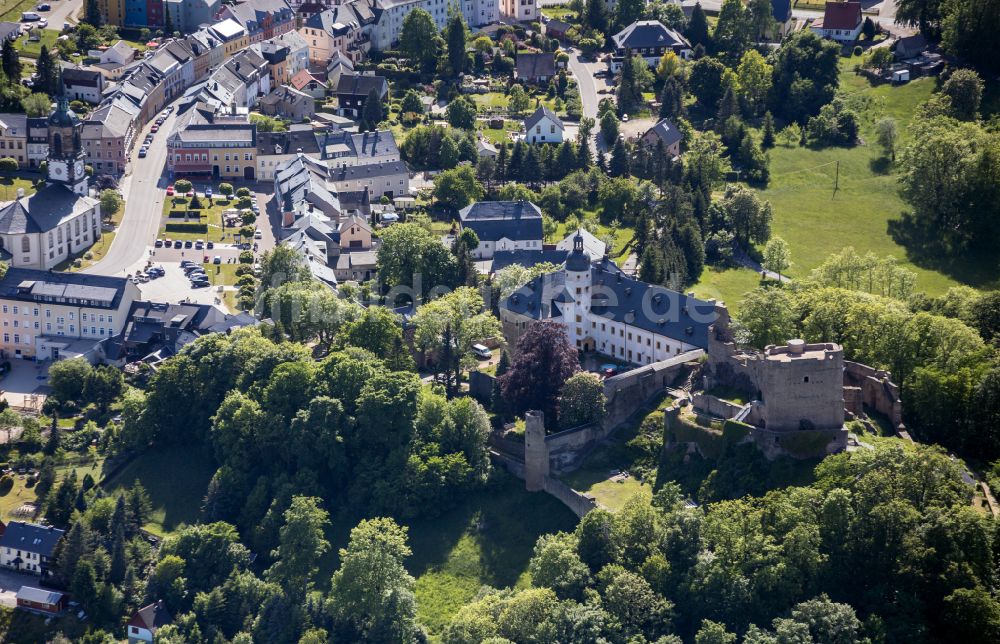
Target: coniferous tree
<point>728,106</point>
<point>619,164</point>
<point>52,444</point>
<point>672,99</point>
<point>48,74</point>
<point>372,113</point>
<point>455,34</point>
<point>697,29</point>
<point>10,61</point>
<point>93,14</point>
<point>767,132</point>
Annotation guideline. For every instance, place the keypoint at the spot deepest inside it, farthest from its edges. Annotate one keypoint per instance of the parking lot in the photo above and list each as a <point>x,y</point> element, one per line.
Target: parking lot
<point>10,583</point>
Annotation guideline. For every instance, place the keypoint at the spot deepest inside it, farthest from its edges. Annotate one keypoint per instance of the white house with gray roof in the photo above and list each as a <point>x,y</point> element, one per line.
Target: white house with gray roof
<point>543,127</point>
<point>28,547</point>
<point>503,226</point>
<point>649,39</point>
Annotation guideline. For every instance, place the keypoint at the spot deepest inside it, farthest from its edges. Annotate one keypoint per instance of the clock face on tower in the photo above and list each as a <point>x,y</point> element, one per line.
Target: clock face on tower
<point>57,170</point>
<point>78,168</point>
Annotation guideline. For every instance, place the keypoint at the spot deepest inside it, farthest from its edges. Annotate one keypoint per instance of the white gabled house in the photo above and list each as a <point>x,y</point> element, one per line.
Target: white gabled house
<point>503,225</point>
<point>543,127</point>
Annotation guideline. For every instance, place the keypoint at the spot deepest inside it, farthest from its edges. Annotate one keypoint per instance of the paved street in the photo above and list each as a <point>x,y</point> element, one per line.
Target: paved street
<point>144,191</point>
<point>62,11</point>
<point>585,73</point>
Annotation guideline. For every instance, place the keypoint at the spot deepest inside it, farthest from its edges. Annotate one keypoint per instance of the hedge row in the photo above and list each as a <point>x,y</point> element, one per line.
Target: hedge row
<point>186,227</point>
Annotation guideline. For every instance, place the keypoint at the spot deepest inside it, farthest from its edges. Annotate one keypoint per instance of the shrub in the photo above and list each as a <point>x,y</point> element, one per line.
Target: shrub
<point>244,270</point>
<point>6,483</point>
<point>245,280</point>
<point>243,192</point>
<point>858,50</point>
<point>246,257</point>
<point>185,227</point>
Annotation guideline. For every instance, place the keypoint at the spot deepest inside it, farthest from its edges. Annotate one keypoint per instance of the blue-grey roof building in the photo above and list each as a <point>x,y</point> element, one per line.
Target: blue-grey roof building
<point>28,547</point>
<point>606,311</point>
<point>503,225</point>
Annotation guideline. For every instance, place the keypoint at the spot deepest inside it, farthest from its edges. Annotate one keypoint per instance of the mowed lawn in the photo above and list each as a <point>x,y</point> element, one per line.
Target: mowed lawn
<point>816,219</point>
<point>176,479</point>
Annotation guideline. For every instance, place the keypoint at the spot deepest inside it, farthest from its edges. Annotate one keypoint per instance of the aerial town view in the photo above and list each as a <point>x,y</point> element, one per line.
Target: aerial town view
<point>500,321</point>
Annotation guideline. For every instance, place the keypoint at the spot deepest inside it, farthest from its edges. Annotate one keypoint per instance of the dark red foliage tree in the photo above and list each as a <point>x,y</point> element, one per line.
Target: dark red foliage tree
<point>544,359</point>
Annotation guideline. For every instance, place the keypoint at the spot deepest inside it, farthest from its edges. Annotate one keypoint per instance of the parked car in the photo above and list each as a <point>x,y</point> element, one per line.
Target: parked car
<point>142,152</point>
<point>208,192</point>
<point>190,193</point>
<point>188,244</point>
<point>43,23</point>
<point>170,191</point>
<point>158,243</point>
<point>199,244</point>
<point>481,352</point>
<point>217,259</point>
<point>30,16</point>
<point>258,234</point>
<point>201,284</point>
<point>178,244</point>
<point>210,244</point>
<point>155,128</point>
<point>45,6</point>
<point>390,218</point>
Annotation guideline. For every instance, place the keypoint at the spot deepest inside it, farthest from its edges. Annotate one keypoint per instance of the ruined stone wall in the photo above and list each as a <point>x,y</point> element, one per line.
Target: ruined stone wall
<point>878,392</point>
<point>713,406</point>
<point>579,504</point>
<point>628,392</point>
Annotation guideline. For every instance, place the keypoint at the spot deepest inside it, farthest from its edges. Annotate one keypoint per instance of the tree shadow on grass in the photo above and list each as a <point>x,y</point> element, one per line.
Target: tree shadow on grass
<point>880,165</point>
<point>979,267</point>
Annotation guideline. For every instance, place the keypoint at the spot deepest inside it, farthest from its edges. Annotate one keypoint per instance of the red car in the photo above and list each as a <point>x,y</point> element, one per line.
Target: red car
<point>170,191</point>
<point>155,128</point>
<point>190,194</point>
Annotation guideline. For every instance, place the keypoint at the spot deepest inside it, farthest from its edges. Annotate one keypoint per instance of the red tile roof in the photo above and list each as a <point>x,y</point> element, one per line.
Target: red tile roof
<point>842,15</point>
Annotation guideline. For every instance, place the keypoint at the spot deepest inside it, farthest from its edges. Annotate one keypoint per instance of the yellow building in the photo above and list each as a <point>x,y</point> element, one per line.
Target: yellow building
<point>112,11</point>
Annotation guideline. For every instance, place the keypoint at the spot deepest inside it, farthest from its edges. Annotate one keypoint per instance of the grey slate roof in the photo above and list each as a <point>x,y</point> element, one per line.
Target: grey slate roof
<point>622,299</point>
<point>30,285</point>
<point>385,169</point>
<point>648,33</point>
<point>298,138</point>
<point>30,537</point>
<point>495,220</point>
<point>42,211</point>
<point>666,131</point>
<point>536,65</point>
<point>361,85</point>
<point>533,120</point>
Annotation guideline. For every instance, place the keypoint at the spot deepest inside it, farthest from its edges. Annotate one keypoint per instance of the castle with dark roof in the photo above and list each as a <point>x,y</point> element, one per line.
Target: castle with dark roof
<point>608,312</point>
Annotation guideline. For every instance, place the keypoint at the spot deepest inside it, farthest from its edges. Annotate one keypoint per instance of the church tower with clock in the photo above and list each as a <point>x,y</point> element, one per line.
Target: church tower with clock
<point>66,157</point>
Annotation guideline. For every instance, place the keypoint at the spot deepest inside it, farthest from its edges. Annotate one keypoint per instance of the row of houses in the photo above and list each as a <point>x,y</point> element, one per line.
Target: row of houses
<point>29,548</point>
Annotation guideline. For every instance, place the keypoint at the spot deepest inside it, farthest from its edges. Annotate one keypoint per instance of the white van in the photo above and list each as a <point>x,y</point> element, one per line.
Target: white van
<point>30,16</point>
<point>481,352</point>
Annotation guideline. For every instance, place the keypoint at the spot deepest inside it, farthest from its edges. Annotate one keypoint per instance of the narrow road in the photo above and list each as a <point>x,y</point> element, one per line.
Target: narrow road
<point>589,85</point>
<point>144,191</point>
